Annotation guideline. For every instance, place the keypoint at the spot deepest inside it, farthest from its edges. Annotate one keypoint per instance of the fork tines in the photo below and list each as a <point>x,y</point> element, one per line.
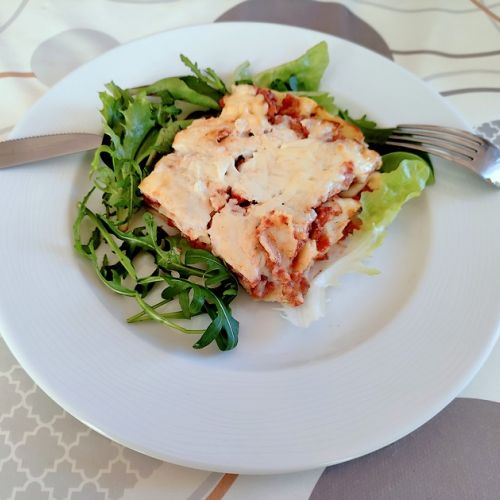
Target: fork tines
<point>449,143</point>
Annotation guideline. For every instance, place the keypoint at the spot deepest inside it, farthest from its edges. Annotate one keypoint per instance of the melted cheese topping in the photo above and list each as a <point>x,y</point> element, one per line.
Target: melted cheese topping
<point>247,185</point>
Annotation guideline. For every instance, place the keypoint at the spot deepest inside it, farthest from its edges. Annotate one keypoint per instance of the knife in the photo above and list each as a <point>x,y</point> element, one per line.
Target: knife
<point>20,151</point>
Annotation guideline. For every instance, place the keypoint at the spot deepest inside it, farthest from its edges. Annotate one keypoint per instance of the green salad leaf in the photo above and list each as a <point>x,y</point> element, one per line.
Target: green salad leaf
<point>201,87</point>
<point>176,264</point>
<point>373,134</point>
<point>397,186</point>
<point>300,77</point>
<point>391,161</point>
<point>180,90</point>
<point>208,76</point>
<point>140,125</point>
<point>242,74</point>
<point>303,73</point>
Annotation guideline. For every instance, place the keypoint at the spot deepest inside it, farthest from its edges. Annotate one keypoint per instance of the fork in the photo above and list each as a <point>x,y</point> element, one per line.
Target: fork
<point>473,152</point>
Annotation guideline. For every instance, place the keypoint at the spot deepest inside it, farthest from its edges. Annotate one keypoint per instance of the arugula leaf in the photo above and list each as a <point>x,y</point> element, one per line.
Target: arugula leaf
<point>226,337</point>
<point>83,249</point>
<point>373,134</point>
<point>142,316</point>
<point>211,333</point>
<point>147,146</point>
<point>179,89</point>
<point>183,299</point>
<point>216,271</point>
<point>135,238</point>
<point>160,142</point>
<point>209,76</point>
<point>162,318</point>
<point>111,110</point>
<point>230,326</point>
<point>138,121</point>
<point>210,296</point>
<point>167,135</point>
<point>197,301</point>
<point>172,291</point>
<point>135,133</point>
<point>362,123</point>
<point>113,282</point>
<point>166,114</point>
<point>114,168</point>
<point>125,261</point>
<point>201,87</point>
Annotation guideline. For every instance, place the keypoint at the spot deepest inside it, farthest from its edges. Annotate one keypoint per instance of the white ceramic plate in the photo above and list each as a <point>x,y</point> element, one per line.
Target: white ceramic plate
<point>393,350</point>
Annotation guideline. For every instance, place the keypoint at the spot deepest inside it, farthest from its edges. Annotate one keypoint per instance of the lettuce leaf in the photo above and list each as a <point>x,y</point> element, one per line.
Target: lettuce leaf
<point>301,77</point>
<point>392,161</point>
<point>306,71</point>
<point>378,210</point>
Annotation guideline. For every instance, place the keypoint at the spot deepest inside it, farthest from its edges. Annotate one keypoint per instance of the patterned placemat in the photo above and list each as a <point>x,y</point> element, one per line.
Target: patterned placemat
<point>47,454</point>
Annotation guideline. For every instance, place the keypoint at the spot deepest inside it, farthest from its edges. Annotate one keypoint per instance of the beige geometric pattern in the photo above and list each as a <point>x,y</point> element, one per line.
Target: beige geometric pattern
<point>490,130</point>
<point>46,454</point>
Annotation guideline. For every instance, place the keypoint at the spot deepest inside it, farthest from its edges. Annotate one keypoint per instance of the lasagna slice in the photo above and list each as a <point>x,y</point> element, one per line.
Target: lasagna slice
<point>270,185</point>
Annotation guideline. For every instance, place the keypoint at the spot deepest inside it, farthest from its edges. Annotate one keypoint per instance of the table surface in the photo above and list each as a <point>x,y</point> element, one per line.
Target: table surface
<point>45,453</point>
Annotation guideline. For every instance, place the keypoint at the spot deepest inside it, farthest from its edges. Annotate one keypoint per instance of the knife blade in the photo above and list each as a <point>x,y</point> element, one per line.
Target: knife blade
<point>29,149</point>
